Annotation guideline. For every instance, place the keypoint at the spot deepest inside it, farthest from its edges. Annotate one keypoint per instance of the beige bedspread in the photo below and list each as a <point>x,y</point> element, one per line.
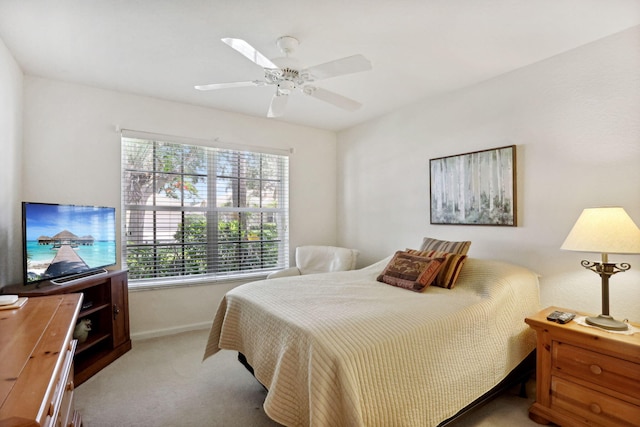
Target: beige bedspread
<point>341,349</point>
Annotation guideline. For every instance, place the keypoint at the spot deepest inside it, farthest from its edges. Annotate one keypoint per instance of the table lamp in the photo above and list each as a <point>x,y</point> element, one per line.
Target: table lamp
<point>606,230</point>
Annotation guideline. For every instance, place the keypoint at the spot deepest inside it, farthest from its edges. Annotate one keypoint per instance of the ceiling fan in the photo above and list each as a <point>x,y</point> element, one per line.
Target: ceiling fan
<point>287,75</point>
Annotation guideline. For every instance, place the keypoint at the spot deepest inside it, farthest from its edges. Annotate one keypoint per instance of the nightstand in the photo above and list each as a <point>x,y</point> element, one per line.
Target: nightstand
<point>585,376</point>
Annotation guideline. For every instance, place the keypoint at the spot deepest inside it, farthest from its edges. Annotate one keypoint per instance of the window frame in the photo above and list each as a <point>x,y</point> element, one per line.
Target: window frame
<point>215,271</point>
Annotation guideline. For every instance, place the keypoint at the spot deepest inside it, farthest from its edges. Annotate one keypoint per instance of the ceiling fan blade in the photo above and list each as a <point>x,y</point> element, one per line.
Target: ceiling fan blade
<point>229,85</point>
<point>278,104</point>
<point>250,52</point>
<point>339,67</point>
<point>332,98</point>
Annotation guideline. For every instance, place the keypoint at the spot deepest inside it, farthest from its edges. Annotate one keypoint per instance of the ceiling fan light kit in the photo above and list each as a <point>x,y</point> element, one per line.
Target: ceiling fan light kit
<point>287,75</point>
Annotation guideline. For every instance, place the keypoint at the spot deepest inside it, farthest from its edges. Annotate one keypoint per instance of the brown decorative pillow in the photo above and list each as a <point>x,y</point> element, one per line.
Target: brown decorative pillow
<point>411,272</point>
<point>429,244</point>
<point>450,269</point>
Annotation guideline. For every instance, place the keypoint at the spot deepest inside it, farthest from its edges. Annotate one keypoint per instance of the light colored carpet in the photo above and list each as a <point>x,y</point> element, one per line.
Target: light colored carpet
<point>163,382</point>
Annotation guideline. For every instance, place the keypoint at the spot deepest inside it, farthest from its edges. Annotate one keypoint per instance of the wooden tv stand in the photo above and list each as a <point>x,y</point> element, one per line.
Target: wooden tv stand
<point>106,304</point>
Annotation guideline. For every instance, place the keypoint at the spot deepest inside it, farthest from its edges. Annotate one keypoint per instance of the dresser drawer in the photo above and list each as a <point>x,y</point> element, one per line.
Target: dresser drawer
<point>607,371</point>
<point>62,398</point>
<point>599,409</point>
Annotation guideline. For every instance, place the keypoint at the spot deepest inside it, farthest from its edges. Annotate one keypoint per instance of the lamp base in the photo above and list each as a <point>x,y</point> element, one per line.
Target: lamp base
<point>607,322</point>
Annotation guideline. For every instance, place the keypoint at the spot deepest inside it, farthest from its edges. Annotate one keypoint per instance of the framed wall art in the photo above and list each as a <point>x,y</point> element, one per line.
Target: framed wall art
<point>477,188</point>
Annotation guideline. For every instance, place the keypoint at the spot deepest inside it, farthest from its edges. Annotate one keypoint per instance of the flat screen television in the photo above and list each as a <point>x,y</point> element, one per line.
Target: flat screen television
<point>64,241</point>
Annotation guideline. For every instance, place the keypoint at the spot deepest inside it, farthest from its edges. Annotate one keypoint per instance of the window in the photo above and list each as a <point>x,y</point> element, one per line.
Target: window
<point>199,211</point>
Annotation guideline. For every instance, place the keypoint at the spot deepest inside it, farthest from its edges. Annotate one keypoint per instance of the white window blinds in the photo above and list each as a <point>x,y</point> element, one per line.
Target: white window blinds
<point>193,210</point>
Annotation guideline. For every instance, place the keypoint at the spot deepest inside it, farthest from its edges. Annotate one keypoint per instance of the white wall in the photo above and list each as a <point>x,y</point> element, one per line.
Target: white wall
<point>575,119</point>
<point>11,83</point>
<point>72,155</point>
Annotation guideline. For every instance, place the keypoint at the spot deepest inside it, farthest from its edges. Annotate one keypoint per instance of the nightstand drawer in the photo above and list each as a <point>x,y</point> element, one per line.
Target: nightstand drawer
<point>598,408</point>
<point>610,372</point>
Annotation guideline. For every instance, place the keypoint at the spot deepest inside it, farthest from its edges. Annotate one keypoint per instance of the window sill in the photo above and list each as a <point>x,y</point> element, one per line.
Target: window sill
<point>156,284</point>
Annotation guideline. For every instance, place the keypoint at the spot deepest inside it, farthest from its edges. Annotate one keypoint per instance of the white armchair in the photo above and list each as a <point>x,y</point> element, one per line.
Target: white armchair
<point>319,259</point>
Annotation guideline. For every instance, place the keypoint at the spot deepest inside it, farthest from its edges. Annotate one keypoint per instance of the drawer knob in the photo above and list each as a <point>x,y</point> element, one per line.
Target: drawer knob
<point>595,369</point>
<point>595,408</point>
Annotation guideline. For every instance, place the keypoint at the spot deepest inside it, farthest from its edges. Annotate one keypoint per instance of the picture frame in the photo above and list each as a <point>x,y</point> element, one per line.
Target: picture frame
<point>477,188</point>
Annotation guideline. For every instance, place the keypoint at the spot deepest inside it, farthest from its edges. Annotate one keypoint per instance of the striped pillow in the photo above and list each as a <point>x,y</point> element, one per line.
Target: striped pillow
<point>451,266</point>
<point>411,272</point>
<point>429,244</point>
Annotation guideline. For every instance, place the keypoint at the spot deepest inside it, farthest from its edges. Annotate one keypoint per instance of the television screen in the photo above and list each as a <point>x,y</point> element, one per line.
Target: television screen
<point>63,240</point>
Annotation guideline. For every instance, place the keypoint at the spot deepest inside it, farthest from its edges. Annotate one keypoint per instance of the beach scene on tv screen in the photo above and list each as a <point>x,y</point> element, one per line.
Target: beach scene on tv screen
<point>63,240</point>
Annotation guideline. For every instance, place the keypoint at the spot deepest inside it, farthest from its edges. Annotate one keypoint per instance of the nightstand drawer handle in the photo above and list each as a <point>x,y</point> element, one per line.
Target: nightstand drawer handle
<point>595,369</point>
<point>595,408</point>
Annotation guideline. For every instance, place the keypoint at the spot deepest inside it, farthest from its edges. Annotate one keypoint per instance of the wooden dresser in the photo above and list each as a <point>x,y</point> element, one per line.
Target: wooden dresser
<point>585,376</point>
<point>36,362</point>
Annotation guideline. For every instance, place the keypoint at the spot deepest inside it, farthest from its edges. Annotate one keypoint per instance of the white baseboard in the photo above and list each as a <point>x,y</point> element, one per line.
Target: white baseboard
<point>169,331</point>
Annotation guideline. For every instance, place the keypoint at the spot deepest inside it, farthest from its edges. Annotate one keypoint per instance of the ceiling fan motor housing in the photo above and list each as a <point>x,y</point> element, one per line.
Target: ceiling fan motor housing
<point>291,76</point>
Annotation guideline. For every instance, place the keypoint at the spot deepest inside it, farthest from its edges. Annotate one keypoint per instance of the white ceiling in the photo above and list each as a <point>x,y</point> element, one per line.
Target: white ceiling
<point>418,48</point>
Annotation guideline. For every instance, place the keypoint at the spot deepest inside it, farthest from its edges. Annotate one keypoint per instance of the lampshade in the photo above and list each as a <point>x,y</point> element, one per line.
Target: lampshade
<point>604,230</point>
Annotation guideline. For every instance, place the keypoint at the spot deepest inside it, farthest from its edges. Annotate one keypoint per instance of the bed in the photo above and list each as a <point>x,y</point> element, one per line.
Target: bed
<point>343,349</point>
